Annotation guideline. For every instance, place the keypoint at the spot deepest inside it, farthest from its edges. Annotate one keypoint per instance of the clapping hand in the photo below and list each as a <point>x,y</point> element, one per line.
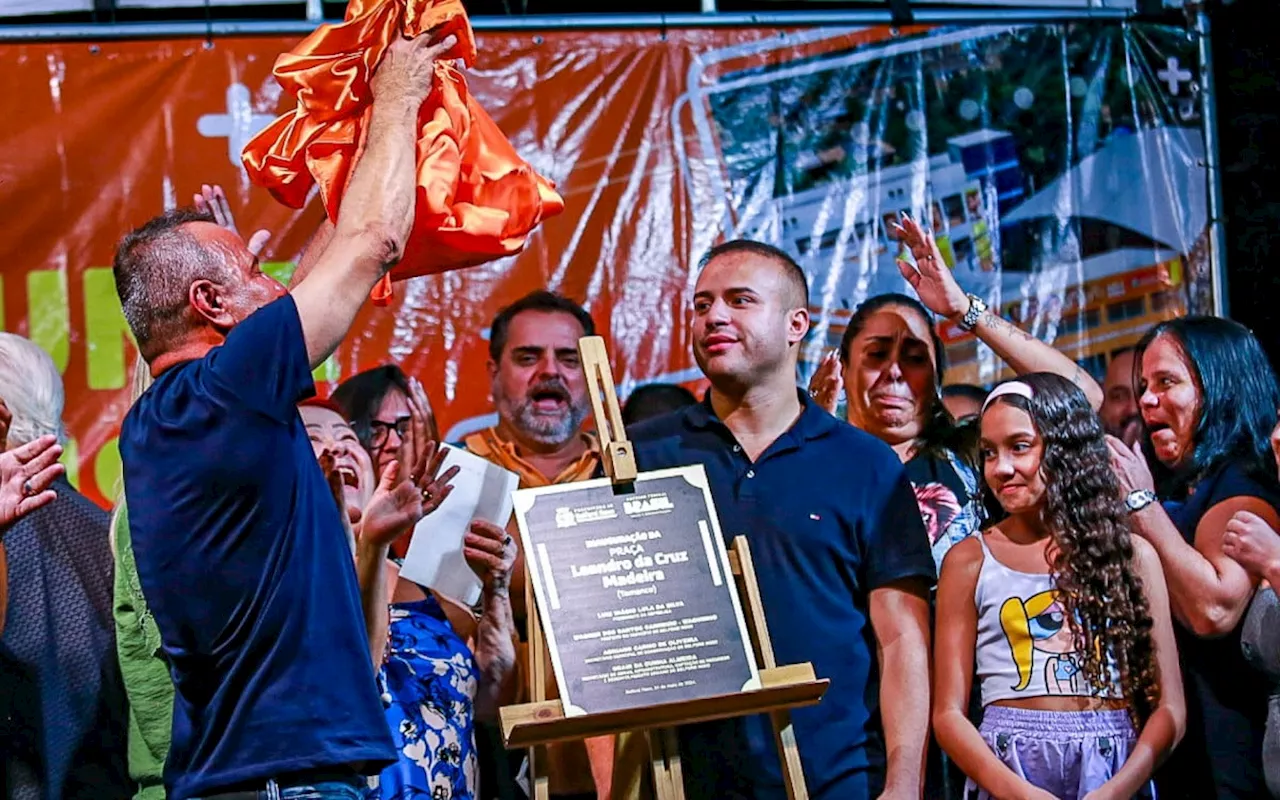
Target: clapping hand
<point>26,475</point>
<point>401,500</point>
<point>424,455</point>
<point>826,383</point>
<point>930,276</point>
<point>329,468</point>
<point>214,200</point>
<point>393,510</point>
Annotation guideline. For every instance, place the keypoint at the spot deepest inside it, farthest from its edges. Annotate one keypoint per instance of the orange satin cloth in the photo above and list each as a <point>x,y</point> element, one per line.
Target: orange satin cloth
<point>477,199</point>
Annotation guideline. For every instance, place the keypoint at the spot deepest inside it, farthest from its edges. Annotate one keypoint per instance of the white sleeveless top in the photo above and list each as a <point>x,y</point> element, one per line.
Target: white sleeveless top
<point>1025,648</point>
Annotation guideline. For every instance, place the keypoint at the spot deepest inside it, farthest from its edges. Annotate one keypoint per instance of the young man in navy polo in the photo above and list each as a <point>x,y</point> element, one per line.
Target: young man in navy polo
<point>840,551</point>
<point>238,543</point>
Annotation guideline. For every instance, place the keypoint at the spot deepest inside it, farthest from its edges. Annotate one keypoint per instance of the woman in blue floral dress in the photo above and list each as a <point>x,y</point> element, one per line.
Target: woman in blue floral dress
<point>428,684</point>
<point>434,685</point>
<point>441,666</point>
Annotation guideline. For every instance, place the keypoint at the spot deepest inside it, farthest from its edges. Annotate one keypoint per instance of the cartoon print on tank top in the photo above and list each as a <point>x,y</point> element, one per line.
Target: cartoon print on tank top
<point>1036,628</point>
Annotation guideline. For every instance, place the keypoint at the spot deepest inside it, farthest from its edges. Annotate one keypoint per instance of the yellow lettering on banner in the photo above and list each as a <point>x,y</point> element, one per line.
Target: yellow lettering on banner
<point>107,469</point>
<point>280,270</point>
<point>71,460</point>
<point>327,371</point>
<point>49,314</point>
<point>105,332</point>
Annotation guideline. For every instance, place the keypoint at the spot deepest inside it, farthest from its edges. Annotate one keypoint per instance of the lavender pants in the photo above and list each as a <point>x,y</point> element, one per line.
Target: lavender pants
<point>1065,753</point>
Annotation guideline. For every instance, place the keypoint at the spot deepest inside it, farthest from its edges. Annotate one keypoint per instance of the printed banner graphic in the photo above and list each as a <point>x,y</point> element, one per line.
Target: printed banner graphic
<point>1062,168</point>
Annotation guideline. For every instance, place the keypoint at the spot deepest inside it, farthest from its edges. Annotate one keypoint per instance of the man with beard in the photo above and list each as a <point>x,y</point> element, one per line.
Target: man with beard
<point>540,393</point>
<point>840,551</point>
<point>1119,410</point>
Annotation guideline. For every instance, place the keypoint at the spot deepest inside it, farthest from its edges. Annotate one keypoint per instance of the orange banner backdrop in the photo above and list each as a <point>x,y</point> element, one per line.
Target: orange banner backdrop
<point>99,137</point>
<point>1066,186</point>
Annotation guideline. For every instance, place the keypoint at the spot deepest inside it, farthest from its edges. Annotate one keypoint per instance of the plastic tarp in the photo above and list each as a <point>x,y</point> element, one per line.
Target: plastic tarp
<point>1061,165</point>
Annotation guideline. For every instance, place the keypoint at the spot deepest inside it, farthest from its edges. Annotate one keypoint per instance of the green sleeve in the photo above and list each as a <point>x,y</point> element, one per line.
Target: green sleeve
<point>146,675</point>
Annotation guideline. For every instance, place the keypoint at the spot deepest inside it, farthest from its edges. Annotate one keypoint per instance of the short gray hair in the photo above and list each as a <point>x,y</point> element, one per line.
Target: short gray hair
<point>31,387</point>
<point>154,268</point>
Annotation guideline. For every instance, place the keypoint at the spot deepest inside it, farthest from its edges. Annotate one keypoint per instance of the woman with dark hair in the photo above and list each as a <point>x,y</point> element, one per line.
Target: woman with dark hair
<point>891,363</point>
<point>1065,614</point>
<point>1208,403</point>
<point>381,404</point>
<point>377,403</point>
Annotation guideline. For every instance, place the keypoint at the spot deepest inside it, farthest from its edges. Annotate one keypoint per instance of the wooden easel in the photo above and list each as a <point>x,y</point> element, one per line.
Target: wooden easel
<point>535,724</point>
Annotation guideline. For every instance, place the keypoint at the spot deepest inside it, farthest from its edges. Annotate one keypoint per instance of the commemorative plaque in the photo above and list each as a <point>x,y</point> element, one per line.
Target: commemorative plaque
<point>638,611</point>
<point>635,592</point>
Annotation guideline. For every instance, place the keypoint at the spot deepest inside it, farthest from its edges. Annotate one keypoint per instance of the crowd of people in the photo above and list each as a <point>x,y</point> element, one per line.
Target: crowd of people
<point>1054,589</point>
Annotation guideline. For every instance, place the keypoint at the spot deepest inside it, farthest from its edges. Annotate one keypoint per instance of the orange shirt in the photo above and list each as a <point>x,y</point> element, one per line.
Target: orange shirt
<point>490,446</point>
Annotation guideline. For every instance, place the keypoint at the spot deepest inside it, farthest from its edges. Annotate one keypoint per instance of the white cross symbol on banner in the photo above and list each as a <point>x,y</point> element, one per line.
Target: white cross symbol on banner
<point>239,124</point>
<point>1174,75</point>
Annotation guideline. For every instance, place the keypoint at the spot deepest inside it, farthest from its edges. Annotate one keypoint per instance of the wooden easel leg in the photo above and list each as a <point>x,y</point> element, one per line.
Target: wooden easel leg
<point>664,756</point>
<point>539,779</point>
<point>784,735</point>
<point>539,782</point>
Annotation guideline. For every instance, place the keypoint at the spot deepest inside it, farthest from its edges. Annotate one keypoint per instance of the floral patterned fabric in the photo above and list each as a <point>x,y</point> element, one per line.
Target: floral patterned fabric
<point>428,684</point>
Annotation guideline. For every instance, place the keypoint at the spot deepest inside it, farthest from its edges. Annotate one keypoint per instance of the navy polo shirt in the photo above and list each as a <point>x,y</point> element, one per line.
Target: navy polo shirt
<point>245,566</point>
<point>830,516</point>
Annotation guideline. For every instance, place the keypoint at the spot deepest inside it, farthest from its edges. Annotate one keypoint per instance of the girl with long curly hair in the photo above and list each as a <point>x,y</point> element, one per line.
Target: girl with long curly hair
<point>1065,615</point>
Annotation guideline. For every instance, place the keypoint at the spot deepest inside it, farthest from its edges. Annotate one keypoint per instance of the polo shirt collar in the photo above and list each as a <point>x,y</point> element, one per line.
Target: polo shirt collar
<point>814,421</point>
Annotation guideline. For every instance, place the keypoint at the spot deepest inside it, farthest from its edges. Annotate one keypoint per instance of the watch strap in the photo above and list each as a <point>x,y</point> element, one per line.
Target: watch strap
<point>976,308</point>
<point>1139,499</point>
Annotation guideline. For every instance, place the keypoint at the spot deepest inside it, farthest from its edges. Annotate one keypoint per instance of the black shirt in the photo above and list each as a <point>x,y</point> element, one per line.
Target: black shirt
<point>1221,754</point>
<point>830,516</point>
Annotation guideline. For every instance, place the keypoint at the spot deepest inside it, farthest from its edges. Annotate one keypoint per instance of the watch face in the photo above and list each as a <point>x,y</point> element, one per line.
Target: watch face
<point>1139,498</point>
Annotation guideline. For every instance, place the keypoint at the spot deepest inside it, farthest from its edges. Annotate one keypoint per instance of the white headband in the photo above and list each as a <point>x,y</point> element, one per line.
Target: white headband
<point>1008,387</point>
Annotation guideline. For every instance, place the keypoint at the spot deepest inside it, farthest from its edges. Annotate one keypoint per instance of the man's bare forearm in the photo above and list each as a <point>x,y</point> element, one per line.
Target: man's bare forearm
<point>904,700</point>
<point>900,618</point>
<point>379,198</point>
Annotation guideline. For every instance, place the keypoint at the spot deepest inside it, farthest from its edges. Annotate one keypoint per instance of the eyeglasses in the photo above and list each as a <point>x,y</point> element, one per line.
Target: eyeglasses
<point>380,430</point>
